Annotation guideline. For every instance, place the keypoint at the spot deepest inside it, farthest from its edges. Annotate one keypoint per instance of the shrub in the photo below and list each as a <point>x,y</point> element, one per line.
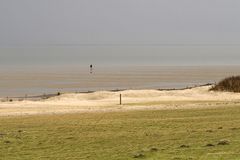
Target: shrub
<point>231,84</point>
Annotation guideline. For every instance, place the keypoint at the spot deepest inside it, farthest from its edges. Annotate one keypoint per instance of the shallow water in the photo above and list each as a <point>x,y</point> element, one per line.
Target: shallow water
<point>18,82</point>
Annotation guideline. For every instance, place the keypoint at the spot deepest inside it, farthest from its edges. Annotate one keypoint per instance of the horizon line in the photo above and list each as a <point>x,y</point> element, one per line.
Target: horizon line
<point>121,44</point>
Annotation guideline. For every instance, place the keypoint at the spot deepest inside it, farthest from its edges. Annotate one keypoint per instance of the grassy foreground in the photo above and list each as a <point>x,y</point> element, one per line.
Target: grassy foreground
<point>173,134</point>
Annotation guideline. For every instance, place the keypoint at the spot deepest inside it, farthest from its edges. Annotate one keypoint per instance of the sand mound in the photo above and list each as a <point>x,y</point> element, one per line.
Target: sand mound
<point>132,100</point>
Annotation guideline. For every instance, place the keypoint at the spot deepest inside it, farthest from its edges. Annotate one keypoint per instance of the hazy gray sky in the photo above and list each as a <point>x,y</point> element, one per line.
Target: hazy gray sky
<point>107,26</point>
<point>50,22</point>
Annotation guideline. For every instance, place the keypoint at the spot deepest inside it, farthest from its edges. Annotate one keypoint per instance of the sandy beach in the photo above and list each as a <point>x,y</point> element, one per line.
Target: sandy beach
<point>106,101</point>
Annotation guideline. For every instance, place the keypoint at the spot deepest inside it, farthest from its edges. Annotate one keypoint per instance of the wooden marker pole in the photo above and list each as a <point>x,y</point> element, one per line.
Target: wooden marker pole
<point>120,99</point>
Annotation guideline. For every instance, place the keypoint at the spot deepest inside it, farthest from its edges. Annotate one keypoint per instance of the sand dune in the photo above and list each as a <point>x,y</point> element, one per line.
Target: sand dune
<point>104,101</point>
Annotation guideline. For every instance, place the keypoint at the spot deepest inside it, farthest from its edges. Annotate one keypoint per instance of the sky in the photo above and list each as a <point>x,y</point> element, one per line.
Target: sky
<point>157,32</point>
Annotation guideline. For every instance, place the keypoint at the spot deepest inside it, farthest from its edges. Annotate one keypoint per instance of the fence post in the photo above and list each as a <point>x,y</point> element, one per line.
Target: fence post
<point>120,99</point>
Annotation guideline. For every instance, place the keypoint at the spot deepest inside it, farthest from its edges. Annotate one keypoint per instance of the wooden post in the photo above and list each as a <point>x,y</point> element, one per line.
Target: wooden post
<point>120,99</point>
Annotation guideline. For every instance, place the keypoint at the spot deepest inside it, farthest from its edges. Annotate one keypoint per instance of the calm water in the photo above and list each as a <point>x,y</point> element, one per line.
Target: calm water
<point>18,82</point>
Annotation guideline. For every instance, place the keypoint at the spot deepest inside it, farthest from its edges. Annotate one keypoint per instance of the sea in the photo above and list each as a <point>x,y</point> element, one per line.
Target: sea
<point>19,82</point>
<point>39,70</point>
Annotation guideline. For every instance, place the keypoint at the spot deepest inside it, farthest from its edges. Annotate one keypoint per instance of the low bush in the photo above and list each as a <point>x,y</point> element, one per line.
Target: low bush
<point>231,84</point>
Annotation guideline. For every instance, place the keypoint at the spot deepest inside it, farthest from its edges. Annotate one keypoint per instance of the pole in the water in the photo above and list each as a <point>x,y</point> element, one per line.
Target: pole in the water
<point>91,68</point>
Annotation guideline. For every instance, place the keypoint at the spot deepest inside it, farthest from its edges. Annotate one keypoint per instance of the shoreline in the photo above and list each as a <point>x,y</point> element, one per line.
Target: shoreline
<point>50,95</point>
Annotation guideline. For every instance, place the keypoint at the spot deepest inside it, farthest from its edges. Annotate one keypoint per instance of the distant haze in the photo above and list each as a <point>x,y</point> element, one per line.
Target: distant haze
<point>119,32</point>
<point>112,56</point>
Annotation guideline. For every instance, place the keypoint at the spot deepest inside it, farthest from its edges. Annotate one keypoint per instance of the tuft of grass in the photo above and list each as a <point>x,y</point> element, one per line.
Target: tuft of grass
<point>210,145</point>
<point>138,155</point>
<point>153,149</point>
<point>223,142</point>
<point>230,84</point>
<point>7,142</point>
<point>184,146</point>
<point>210,131</point>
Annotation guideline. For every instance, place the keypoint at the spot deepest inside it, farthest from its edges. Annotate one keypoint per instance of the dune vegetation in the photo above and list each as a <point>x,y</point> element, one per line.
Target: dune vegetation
<point>230,84</point>
<point>164,134</point>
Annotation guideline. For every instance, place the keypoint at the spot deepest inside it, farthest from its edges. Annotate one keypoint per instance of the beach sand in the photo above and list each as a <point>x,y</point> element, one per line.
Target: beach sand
<point>106,101</point>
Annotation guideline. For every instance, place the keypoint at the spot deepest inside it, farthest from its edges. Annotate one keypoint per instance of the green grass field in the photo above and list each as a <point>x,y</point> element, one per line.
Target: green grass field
<point>170,134</point>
